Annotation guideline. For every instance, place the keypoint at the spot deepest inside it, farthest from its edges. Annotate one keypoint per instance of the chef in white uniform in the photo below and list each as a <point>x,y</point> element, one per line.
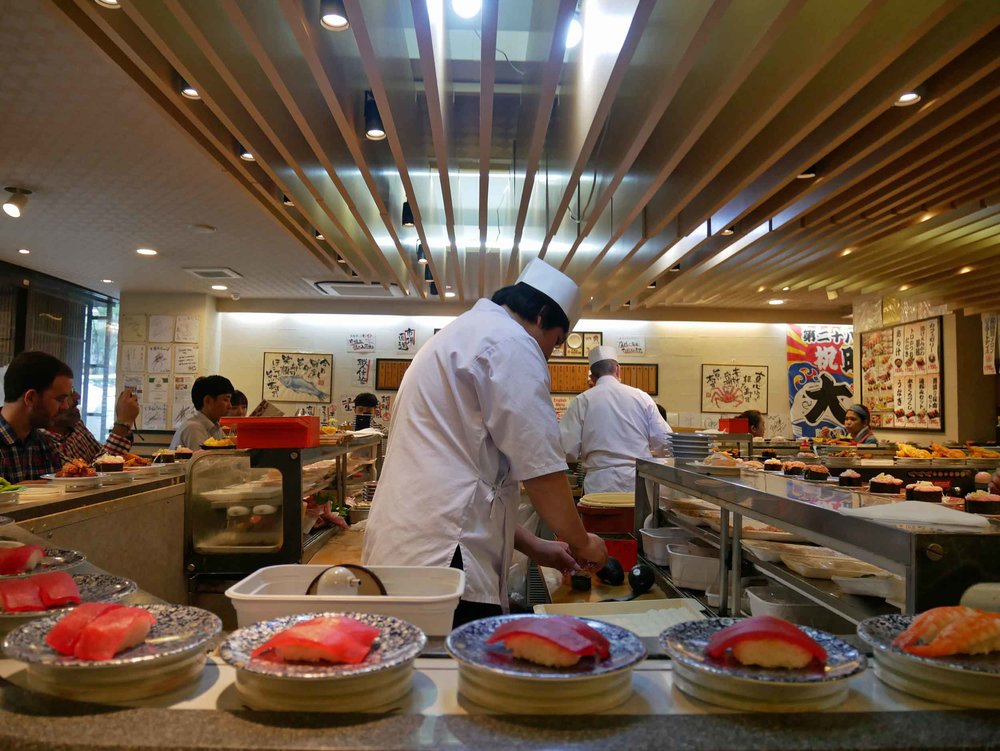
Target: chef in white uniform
<point>609,426</point>
<point>473,417</point>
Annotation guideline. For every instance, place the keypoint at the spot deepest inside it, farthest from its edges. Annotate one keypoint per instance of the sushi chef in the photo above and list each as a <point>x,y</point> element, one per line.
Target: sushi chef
<point>473,417</point>
<point>611,425</point>
<point>856,423</point>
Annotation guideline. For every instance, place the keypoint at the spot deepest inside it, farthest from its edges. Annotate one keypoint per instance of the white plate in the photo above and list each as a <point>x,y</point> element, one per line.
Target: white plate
<point>74,483</point>
<point>116,478</point>
<point>711,469</point>
<point>886,587</point>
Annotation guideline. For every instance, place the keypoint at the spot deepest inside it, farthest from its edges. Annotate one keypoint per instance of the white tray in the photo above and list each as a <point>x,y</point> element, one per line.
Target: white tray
<point>641,617</point>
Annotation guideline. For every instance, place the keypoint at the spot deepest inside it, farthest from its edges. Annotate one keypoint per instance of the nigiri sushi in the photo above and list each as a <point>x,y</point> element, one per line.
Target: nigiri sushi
<point>556,641</point>
<point>112,632</point>
<point>64,635</point>
<point>766,641</point>
<point>57,588</point>
<point>325,639</point>
<point>17,560</point>
<point>951,630</point>
<point>20,595</point>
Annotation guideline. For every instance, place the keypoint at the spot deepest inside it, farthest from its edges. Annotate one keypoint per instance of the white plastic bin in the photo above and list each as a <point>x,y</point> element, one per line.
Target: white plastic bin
<point>693,567</point>
<point>655,541</point>
<point>425,596</point>
<point>782,602</point>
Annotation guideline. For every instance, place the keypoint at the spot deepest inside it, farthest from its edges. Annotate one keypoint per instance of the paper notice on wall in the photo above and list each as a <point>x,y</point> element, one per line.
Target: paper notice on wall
<point>154,402</point>
<point>133,328</point>
<point>185,359</point>
<point>910,402</point>
<point>158,358</point>
<point>406,340</point>
<point>133,358</point>
<point>161,328</point>
<point>989,343</point>
<point>183,407</point>
<point>361,342</point>
<point>362,373</point>
<point>933,345</point>
<point>561,404</point>
<point>186,328</point>
<point>631,345</point>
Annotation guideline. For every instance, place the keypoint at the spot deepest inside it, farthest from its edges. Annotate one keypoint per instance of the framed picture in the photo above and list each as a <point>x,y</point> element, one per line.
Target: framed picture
<point>733,388</point>
<point>559,351</point>
<point>592,339</point>
<point>574,344</point>
<point>298,377</point>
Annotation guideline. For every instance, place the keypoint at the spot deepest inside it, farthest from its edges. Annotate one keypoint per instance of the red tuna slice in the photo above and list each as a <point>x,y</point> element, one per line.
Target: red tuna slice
<point>561,631</point>
<point>20,595</point>
<point>113,632</point>
<point>18,560</point>
<point>331,639</point>
<point>762,627</point>
<point>63,636</point>
<point>57,588</point>
<point>603,645</point>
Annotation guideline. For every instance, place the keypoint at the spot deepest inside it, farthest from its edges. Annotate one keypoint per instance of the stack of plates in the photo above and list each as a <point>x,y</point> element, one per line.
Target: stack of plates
<point>958,680</point>
<point>368,491</point>
<point>378,684</point>
<point>172,656</point>
<point>608,500</point>
<point>489,676</point>
<point>728,683</point>
<point>690,446</point>
<point>93,588</point>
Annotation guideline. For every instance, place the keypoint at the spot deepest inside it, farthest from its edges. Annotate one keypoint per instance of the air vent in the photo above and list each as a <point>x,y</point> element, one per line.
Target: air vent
<point>222,273</point>
<point>357,289</point>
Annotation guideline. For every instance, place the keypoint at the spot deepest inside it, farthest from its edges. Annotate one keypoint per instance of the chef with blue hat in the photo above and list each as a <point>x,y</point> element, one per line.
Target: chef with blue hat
<point>472,419</point>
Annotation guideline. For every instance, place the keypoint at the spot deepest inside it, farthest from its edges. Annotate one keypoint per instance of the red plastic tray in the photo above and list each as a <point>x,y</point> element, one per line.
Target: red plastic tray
<point>274,432</point>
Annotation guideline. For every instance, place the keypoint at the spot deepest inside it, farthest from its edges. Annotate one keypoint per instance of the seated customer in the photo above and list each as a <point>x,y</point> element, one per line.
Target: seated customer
<point>37,388</point>
<point>756,420</point>
<point>75,441</point>
<point>239,405</point>
<point>212,397</point>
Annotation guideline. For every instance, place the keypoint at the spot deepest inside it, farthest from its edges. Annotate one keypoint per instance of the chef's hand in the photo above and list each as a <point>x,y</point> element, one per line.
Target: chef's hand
<point>554,554</point>
<point>127,407</point>
<point>995,482</point>
<point>593,555</point>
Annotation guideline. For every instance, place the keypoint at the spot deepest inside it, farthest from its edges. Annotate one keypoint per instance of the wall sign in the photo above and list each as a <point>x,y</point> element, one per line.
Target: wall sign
<point>820,376</point>
<point>298,377</point>
<point>733,388</point>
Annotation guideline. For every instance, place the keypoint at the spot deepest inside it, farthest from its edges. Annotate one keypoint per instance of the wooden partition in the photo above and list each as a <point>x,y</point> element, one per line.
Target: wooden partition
<point>389,373</point>
<point>571,377</point>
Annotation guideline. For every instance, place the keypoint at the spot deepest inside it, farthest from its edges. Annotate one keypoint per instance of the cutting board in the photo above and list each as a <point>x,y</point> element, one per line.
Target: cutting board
<point>560,590</point>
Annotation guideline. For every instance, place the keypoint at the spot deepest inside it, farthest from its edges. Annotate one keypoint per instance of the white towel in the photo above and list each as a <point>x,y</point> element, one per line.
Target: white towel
<point>918,512</point>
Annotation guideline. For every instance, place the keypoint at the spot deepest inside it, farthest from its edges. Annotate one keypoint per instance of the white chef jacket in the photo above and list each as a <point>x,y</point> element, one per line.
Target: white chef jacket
<point>473,416</point>
<point>608,427</point>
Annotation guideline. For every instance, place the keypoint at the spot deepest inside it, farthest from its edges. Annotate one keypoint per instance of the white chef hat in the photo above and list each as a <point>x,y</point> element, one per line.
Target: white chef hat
<point>556,285</point>
<point>604,352</point>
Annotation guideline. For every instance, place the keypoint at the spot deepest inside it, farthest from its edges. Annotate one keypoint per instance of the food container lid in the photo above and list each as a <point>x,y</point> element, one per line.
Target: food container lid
<point>263,510</point>
<point>238,511</point>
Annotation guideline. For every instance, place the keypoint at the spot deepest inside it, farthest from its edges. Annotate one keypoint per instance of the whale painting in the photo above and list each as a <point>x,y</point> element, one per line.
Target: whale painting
<point>298,377</point>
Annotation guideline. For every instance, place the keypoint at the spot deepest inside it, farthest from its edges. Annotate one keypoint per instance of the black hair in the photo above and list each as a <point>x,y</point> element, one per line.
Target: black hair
<point>366,399</point>
<point>662,411</point>
<point>603,368</point>
<point>529,303</point>
<point>753,417</point>
<point>239,398</point>
<point>213,385</point>
<point>32,370</point>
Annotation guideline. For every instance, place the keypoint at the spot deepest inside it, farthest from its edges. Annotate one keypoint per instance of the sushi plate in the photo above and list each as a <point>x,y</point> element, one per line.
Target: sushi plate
<point>172,655</point>
<point>74,483</point>
<point>377,684</point>
<point>56,559</point>
<point>93,588</point>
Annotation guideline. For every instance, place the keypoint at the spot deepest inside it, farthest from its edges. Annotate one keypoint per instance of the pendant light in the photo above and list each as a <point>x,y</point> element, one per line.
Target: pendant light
<point>333,15</point>
<point>187,90</point>
<point>244,153</point>
<point>374,130</point>
<point>428,276</point>
<point>14,206</point>
<point>407,214</point>
<point>421,258</point>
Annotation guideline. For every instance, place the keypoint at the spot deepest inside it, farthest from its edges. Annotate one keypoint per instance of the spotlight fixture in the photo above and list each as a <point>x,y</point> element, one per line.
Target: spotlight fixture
<point>374,130</point>
<point>675,268</point>
<point>574,34</point>
<point>433,289</point>
<point>24,251</point>
<point>428,276</point>
<point>449,292</point>
<point>187,90</point>
<point>728,231</point>
<point>333,15</point>
<point>421,258</point>
<point>905,100</point>
<point>776,302</point>
<point>109,4</point>
<point>467,8</point>
<point>286,201</point>
<point>14,205</point>
<point>244,153</point>
<point>341,259</point>
<point>107,281</point>
<point>407,214</point>
<point>219,287</point>
<point>651,285</point>
<point>846,251</point>
<point>807,174</point>
<point>319,235</point>
<point>785,289</point>
<point>145,251</point>
<point>904,288</point>
<point>966,269</point>
<point>832,294</point>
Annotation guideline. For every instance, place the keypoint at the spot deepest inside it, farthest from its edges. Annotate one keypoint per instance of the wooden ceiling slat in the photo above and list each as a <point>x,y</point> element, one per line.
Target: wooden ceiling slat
<point>487,79</point>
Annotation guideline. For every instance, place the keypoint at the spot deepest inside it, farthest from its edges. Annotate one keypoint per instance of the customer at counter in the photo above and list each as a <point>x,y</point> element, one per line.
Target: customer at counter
<point>37,389</point>
<point>212,397</point>
<point>611,425</point>
<point>238,405</point>
<point>856,423</point>
<point>473,416</point>
<point>75,441</point>
<point>755,420</point>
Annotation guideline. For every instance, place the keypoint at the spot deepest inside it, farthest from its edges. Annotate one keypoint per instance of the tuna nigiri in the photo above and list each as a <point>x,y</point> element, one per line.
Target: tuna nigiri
<point>326,639</point>
<point>766,641</point>
<point>17,560</point>
<point>57,588</point>
<point>112,632</point>
<point>556,641</point>
<point>64,635</point>
<point>20,595</point>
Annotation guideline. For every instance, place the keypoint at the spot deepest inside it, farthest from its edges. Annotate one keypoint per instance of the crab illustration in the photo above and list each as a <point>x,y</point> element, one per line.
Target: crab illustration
<point>728,395</point>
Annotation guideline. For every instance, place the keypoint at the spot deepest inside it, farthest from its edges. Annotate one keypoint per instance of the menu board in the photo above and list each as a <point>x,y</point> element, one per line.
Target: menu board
<point>901,377</point>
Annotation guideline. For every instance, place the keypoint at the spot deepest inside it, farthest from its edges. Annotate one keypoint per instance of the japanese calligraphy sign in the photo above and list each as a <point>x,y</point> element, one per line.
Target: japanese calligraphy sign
<point>989,343</point>
<point>298,377</point>
<point>406,340</point>
<point>733,388</point>
<point>361,342</point>
<point>820,376</point>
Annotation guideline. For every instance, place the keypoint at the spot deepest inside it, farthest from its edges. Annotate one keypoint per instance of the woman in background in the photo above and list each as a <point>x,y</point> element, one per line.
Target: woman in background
<point>238,405</point>
<point>856,423</point>
<point>756,420</point>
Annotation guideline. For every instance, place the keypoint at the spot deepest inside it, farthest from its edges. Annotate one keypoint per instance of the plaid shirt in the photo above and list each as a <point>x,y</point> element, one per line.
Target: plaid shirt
<point>28,459</point>
<point>80,443</point>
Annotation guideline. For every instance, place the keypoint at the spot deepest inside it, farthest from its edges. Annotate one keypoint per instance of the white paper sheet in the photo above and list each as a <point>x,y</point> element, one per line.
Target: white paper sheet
<point>161,328</point>
<point>185,358</point>
<point>134,358</point>
<point>183,408</point>
<point>158,358</point>
<point>187,328</point>
<point>133,328</point>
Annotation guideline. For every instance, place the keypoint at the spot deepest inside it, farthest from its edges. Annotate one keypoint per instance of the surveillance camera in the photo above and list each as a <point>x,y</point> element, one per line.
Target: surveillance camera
<point>235,296</point>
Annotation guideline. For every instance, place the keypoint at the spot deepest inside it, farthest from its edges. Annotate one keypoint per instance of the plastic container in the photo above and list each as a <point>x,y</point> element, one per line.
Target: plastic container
<point>607,520</point>
<point>274,432</point>
<point>626,550</point>
<point>783,602</point>
<point>425,596</point>
<point>655,541</point>
<point>692,567</point>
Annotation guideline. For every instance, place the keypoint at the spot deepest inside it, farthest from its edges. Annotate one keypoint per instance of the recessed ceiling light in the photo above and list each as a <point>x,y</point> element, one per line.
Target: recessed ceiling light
<point>761,288</point>
<point>220,287</point>
<point>807,174</point>
<point>333,15</point>
<point>14,206</point>
<point>108,281</point>
<point>24,251</point>
<point>244,153</point>
<point>109,4</point>
<point>785,289</point>
<point>449,293</point>
<point>904,288</point>
<point>905,100</point>
<point>775,302</point>
<point>728,231</point>
<point>145,251</point>
<point>574,34</point>
<point>188,91</point>
<point>965,269</point>
<point>319,235</point>
<point>467,8</point>
<point>846,251</point>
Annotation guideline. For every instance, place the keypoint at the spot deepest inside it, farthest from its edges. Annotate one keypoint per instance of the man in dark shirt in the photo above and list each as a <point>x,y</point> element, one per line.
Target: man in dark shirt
<point>37,388</point>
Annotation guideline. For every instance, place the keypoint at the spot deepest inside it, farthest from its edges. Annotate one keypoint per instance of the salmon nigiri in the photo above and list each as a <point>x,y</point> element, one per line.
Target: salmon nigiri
<point>556,641</point>
<point>20,595</point>
<point>325,639</point>
<point>17,560</point>
<point>766,641</point>
<point>112,632</point>
<point>57,588</point>
<point>64,635</point>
